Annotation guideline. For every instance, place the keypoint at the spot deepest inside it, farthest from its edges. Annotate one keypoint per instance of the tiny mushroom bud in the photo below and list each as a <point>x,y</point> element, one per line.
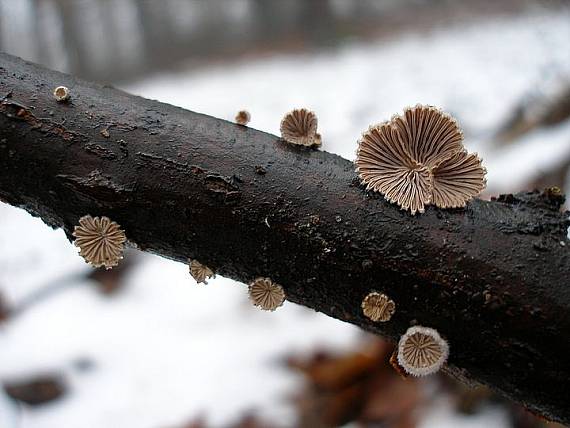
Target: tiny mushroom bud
<point>61,94</point>
<point>100,241</point>
<point>422,351</point>
<point>299,126</point>
<point>243,117</point>
<point>265,294</point>
<point>200,272</point>
<point>378,307</point>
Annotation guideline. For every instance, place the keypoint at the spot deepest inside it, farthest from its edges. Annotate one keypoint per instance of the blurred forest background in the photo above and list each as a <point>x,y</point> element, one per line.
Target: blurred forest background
<point>143,345</point>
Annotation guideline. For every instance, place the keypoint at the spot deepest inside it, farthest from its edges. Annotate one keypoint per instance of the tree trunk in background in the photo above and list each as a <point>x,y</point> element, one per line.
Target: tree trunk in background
<point>156,29</point>
<point>72,36</point>
<point>318,22</point>
<point>39,32</point>
<point>491,278</point>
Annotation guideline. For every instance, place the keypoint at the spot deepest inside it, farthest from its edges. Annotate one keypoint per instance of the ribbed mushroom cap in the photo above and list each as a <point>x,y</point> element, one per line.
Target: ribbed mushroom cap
<point>429,134</point>
<point>384,164</point>
<point>422,351</point>
<point>265,294</point>
<point>457,180</point>
<point>418,158</point>
<point>100,241</point>
<point>299,126</point>
<point>378,307</point>
<point>200,272</point>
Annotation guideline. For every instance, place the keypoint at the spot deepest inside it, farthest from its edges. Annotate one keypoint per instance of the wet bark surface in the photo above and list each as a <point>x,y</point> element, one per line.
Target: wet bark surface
<point>492,278</point>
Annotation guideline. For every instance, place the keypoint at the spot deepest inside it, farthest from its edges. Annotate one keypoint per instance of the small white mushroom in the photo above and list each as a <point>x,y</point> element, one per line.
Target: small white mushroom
<point>422,351</point>
<point>61,94</point>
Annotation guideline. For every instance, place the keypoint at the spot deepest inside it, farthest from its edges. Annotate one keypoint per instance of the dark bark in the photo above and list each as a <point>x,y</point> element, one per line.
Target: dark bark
<point>491,278</point>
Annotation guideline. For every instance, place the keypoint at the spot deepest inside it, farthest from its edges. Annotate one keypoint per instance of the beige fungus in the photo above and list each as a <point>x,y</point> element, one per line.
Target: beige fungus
<point>100,241</point>
<point>457,180</point>
<point>417,159</point>
<point>201,273</point>
<point>299,126</point>
<point>265,294</point>
<point>378,307</point>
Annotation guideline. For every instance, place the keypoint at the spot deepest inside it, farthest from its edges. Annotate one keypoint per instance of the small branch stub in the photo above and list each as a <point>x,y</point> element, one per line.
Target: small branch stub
<point>100,241</point>
<point>417,159</point>
<point>422,351</point>
<point>243,117</point>
<point>200,272</point>
<point>299,126</point>
<point>378,307</point>
<point>265,294</point>
<point>61,94</point>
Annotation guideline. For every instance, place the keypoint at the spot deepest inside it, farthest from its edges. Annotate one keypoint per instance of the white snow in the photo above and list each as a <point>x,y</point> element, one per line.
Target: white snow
<point>509,168</point>
<point>166,350</point>
<point>441,415</point>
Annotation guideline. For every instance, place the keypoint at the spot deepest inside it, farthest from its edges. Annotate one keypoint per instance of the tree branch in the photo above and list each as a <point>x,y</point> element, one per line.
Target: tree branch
<point>491,278</point>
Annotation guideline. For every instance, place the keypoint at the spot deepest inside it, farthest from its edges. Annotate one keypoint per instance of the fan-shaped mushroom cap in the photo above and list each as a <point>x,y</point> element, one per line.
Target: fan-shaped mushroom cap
<point>384,164</point>
<point>417,159</point>
<point>299,126</point>
<point>428,134</point>
<point>200,272</point>
<point>457,180</point>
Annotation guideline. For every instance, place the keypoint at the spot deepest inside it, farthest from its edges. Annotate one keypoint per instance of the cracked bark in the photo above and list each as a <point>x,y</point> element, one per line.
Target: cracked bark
<point>491,278</point>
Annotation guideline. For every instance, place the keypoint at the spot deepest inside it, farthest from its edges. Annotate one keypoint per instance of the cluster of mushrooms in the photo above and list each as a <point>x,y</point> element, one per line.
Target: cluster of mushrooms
<point>414,160</point>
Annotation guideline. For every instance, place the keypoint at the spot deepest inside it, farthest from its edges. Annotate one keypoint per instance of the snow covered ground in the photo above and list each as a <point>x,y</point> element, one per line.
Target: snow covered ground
<point>165,349</point>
